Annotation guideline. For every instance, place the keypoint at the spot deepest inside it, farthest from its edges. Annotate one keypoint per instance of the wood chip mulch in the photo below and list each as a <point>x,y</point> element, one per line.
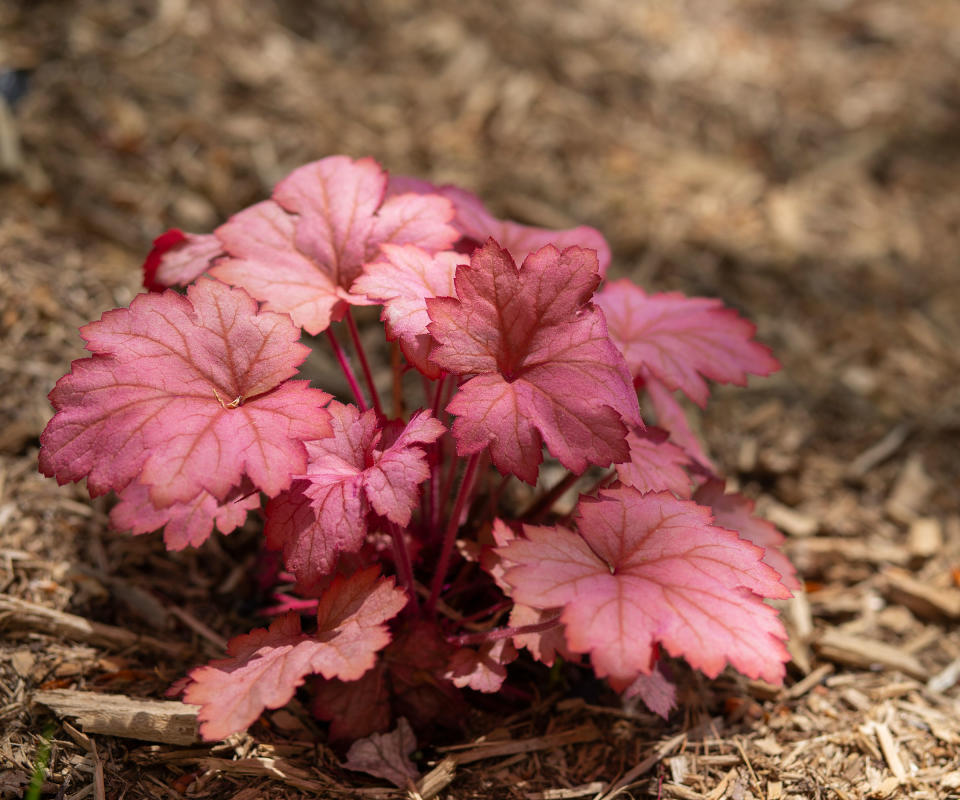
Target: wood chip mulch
<point>798,160</point>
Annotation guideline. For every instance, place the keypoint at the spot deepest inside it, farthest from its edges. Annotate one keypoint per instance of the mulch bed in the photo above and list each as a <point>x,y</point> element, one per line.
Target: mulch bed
<point>797,160</point>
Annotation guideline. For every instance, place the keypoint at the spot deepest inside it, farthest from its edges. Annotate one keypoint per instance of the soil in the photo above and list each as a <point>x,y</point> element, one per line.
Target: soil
<point>797,160</point>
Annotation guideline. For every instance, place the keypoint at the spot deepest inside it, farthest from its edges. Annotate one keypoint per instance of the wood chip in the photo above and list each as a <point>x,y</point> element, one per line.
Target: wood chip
<point>925,537</point>
<point>585,790</point>
<point>857,651</point>
<point>437,779</point>
<point>497,749</point>
<point>910,492</point>
<point>926,601</point>
<point>789,520</point>
<point>801,687</point>
<point>21,615</point>
<point>889,749</point>
<point>880,452</point>
<point>166,721</point>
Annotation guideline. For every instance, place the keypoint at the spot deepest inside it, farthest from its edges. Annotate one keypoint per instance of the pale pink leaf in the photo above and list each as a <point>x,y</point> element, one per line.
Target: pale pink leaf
<point>184,524</point>
<point>649,569</point>
<point>179,258</point>
<point>482,669</point>
<point>386,755</point>
<point>672,417</point>
<point>265,261</point>
<point>546,645</point>
<point>734,511</point>
<point>683,340</point>
<point>265,667</point>
<point>655,464</point>
<point>543,366</point>
<point>185,394</point>
<point>402,279</point>
<point>655,690</point>
<point>476,223</point>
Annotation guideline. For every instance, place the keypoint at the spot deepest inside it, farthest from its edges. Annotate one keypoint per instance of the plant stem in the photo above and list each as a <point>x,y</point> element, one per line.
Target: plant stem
<point>545,502</point>
<point>396,366</point>
<point>450,535</point>
<point>364,364</point>
<point>404,567</point>
<point>503,633</point>
<point>602,481</point>
<point>347,370</point>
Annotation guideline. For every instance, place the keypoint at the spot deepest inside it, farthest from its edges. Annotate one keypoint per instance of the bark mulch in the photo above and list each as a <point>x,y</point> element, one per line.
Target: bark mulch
<point>798,160</point>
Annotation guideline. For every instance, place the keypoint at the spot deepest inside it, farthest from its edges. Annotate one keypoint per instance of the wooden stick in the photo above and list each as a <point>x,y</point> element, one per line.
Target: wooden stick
<point>165,721</point>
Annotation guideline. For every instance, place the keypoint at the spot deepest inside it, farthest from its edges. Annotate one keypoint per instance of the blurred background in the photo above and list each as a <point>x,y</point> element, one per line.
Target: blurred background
<point>798,160</point>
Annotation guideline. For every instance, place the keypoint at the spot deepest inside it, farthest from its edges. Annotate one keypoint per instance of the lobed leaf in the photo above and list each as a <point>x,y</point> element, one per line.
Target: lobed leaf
<point>683,340</point>
<point>186,395</point>
<point>184,524</point>
<point>301,251</point>
<point>265,667</point>
<point>544,369</point>
<point>386,755</point>
<point>325,512</point>
<point>483,669</point>
<point>734,511</point>
<point>477,224</point>
<point>655,464</point>
<point>402,279</point>
<point>649,569</point>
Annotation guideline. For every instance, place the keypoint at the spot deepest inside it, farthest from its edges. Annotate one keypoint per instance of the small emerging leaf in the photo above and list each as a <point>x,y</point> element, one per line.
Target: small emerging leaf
<point>179,258</point>
<point>386,755</point>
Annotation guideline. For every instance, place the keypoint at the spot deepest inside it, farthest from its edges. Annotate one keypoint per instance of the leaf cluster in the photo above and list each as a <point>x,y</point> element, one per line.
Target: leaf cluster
<point>406,579</point>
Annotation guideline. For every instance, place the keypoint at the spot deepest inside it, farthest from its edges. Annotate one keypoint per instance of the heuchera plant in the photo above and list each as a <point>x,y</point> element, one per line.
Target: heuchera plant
<point>406,576</point>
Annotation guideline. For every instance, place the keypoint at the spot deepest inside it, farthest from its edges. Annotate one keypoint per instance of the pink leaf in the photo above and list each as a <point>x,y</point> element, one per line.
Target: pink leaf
<point>655,690</point>
<point>647,569</point>
<point>477,224</point>
<point>301,252</point>
<point>325,514</point>
<point>267,263</point>
<point>683,340</point>
<point>544,646</point>
<point>179,258</point>
<point>734,511</point>
<point>185,524</point>
<point>185,394</point>
<point>386,755</point>
<point>265,667</point>
<point>402,280</point>
<point>542,361</point>
<point>655,464</point>
<point>482,669</point>
<point>671,416</point>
